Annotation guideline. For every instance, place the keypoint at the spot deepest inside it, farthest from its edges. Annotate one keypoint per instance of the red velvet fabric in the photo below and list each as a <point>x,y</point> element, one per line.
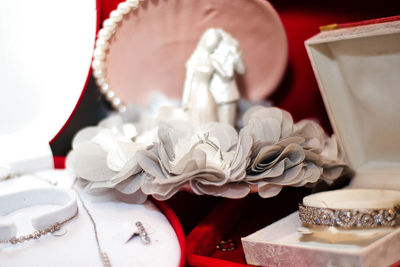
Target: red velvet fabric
<point>59,162</point>
<point>233,219</point>
<point>214,227</point>
<point>299,92</point>
<point>197,260</point>
<point>174,221</point>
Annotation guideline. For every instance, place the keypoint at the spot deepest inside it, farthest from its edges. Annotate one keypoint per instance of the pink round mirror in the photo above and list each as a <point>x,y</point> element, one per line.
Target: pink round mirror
<point>149,46</point>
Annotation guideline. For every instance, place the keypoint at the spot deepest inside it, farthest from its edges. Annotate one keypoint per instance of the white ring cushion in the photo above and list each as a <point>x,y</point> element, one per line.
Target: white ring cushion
<point>354,199</point>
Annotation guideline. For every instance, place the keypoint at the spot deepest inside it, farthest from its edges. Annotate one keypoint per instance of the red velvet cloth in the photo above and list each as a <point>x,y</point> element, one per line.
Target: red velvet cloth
<point>197,260</point>
<point>214,227</point>
<point>233,219</point>
<point>59,162</point>
<point>174,221</point>
<point>299,92</point>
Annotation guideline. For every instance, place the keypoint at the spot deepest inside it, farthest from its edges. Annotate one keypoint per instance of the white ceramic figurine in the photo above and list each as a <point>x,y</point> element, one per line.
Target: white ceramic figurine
<point>210,92</point>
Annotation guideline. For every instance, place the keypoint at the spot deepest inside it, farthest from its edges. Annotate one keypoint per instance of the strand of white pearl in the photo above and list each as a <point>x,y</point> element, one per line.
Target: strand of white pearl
<point>102,45</point>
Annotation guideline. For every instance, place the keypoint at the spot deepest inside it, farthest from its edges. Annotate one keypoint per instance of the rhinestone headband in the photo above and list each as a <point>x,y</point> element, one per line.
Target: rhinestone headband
<point>350,218</point>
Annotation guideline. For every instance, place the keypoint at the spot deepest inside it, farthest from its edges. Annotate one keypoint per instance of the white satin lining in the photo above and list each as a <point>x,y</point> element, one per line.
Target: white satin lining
<point>28,198</point>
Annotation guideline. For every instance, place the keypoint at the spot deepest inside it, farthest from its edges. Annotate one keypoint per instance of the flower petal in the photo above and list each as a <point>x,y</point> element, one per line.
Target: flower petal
<point>130,185</point>
<point>84,135</point>
<point>88,161</point>
<point>266,190</point>
<point>230,190</point>
<point>224,133</point>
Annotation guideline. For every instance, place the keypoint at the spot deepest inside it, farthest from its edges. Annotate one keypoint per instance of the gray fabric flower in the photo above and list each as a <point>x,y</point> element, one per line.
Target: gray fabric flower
<point>139,155</point>
<point>288,154</point>
<point>211,160</point>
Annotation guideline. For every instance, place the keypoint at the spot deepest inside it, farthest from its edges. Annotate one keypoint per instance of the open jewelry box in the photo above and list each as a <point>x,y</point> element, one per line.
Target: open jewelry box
<point>356,69</point>
<point>46,53</point>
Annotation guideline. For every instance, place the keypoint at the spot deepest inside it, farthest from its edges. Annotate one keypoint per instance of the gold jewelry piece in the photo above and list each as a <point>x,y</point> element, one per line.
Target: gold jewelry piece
<point>39,233</point>
<point>350,218</point>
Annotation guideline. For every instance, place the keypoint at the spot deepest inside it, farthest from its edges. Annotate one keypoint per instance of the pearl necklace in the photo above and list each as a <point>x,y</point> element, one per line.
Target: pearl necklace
<point>102,45</point>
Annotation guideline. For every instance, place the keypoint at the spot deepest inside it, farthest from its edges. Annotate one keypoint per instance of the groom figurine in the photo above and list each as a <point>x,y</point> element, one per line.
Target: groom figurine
<point>223,87</point>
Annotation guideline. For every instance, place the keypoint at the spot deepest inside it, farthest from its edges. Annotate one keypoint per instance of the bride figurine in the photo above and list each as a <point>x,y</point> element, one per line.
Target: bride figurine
<point>210,92</point>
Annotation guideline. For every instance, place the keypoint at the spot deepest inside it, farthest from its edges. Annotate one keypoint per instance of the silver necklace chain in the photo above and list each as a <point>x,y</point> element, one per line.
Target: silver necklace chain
<point>103,255</point>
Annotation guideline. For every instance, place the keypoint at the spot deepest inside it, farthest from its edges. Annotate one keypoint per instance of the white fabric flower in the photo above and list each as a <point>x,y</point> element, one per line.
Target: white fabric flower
<point>104,155</point>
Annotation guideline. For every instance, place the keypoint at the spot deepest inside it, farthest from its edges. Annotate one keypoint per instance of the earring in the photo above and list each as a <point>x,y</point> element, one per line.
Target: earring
<point>141,231</point>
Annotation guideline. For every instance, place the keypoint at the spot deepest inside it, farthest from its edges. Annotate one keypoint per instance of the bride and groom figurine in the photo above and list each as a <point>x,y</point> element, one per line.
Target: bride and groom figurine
<point>210,92</point>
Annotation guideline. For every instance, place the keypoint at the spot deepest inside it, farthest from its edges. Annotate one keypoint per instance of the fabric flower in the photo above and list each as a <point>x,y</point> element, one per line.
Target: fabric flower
<point>331,157</point>
<point>158,152</point>
<point>104,156</point>
<point>211,160</point>
<point>287,154</point>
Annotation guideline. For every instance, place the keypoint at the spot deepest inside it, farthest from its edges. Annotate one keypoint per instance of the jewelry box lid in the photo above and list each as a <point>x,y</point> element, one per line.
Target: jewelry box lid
<point>357,72</point>
<point>46,49</point>
<point>148,49</point>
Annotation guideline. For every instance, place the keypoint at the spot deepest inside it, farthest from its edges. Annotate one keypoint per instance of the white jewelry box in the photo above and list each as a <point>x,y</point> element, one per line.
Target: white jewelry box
<point>46,51</point>
<point>357,73</point>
